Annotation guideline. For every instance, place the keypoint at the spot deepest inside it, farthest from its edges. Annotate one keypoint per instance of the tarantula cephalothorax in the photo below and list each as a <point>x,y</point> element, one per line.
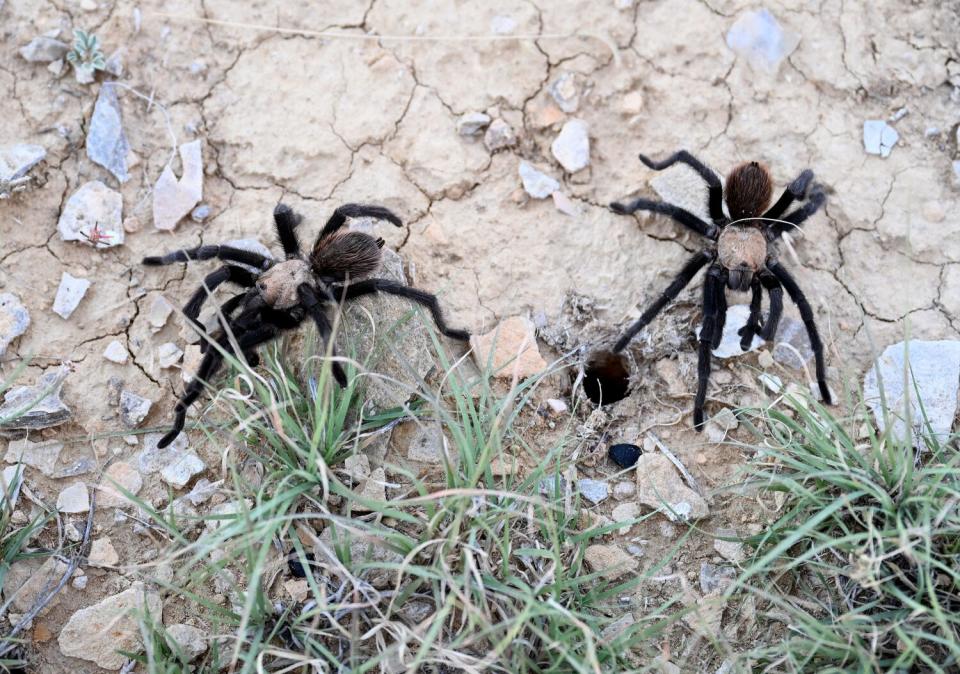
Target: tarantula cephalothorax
<point>282,294</point>
<point>742,255</point>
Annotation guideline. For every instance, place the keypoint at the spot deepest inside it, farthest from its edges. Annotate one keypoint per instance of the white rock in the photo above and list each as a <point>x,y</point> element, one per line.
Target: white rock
<point>757,37</point>
<point>191,641</point>
<point>40,455</point>
<point>934,376</point>
<point>93,214</point>
<point>159,312</point>
<point>737,316</point>
<point>536,183</point>
<point>594,491</point>
<point>116,352</point>
<point>74,499</point>
<point>46,409</point>
<point>173,199</point>
<point>572,147</point>
<point>181,471</point>
<point>169,354</point>
<point>879,137</point>
<point>472,123</point>
<point>98,633</point>
<point>102,553</point>
<point>17,160</point>
<point>14,320</point>
<point>120,475</point>
<point>566,92</point>
<point>69,294</point>
<point>556,406</point>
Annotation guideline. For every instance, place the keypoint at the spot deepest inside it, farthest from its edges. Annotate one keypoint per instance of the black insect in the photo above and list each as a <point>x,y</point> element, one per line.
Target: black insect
<point>283,294</point>
<point>742,255</point>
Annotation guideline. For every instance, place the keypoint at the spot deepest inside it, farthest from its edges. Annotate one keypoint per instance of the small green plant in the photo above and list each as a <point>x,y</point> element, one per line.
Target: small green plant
<point>86,56</point>
<point>859,572</point>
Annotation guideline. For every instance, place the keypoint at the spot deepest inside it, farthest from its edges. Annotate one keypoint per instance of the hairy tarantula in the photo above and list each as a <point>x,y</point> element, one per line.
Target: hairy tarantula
<point>742,255</point>
<point>283,293</point>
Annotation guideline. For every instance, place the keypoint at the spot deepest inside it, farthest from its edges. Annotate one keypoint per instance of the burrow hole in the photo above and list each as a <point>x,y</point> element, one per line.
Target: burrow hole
<point>606,377</point>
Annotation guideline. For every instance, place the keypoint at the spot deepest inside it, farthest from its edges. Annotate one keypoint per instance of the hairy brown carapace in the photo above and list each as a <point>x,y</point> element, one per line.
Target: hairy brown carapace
<point>343,253</point>
<point>748,190</point>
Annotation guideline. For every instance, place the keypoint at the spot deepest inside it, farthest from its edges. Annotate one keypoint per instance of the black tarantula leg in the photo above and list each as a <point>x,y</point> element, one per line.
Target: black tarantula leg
<point>208,367</point>
<point>775,290</point>
<point>712,291</point>
<point>208,253</point>
<point>286,222</point>
<point>721,310</point>
<point>372,285</point>
<point>816,199</point>
<point>715,202</point>
<point>795,190</point>
<point>752,326</point>
<point>686,274</point>
<point>311,301</point>
<point>340,216</point>
<point>682,216</point>
<point>806,313</point>
<point>227,272</point>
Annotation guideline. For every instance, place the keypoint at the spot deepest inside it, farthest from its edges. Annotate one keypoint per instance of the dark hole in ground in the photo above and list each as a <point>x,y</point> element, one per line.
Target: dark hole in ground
<point>606,377</point>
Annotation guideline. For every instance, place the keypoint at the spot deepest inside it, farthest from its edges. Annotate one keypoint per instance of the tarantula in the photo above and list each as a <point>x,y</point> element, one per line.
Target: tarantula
<point>742,255</point>
<point>283,293</point>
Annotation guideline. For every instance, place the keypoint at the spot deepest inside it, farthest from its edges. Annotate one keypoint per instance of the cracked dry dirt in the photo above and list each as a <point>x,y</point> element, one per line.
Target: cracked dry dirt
<point>319,122</point>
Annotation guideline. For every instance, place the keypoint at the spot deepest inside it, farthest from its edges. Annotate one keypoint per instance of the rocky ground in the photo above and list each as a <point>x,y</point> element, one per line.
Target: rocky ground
<point>500,153</point>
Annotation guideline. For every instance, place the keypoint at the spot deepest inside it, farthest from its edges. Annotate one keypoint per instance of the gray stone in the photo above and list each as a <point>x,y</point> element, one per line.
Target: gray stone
<point>879,137</point>
<point>472,123</point>
<point>792,345</point>
<point>14,320</point>
<point>934,377</point>
<point>716,578</point>
<point>168,355</point>
<point>40,455</point>
<point>200,213</point>
<point>202,491</point>
<point>730,550</point>
<point>594,491</point>
<point>659,486</point>
<point>566,92</point>
<point>180,471</point>
<point>536,183</point>
<point>153,459</point>
<point>737,316</point>
<point>78,467</point>
<point>159,312</point>
<point>100,632</point>
<point>120,477</point>
<point>189,640</point>
<point>133,408</point>
<point>499,135</point>
<point>15,162</point>
<point>74,499</point>
<point>34,581</point>
<point>93,214</point>
<point>106,142</point>
<point>69,294</point>
<point>725,419</point>
<point>43,49</point>
<point>43,400</point>
<point>757,37</point>
<point>572,147</point>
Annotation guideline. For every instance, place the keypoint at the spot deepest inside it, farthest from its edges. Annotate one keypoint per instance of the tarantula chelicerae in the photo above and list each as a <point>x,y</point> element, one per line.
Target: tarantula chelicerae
<point>283,293</point>
<point>742,255</point>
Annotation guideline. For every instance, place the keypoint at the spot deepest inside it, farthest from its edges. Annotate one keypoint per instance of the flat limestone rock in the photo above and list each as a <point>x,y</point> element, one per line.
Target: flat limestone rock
<point>93,214</point>
<point>106,142</point>
<point>14,320</point>
<point>40,455</point>
<point>98,633</point>
<point>43,399</point>
<point>660,486</point>
<point>174,199</point>
<point>510,349</point>
<point>934,378</point>
<point>69,294</point>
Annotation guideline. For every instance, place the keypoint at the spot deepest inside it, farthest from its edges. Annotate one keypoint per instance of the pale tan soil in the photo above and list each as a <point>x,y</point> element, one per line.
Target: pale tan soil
<point>319,122</point>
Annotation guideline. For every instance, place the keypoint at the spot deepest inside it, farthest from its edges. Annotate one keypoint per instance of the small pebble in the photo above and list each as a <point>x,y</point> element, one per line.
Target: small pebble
<point>499,135</point>
<point>472,123</point>
<point>200,213</point>
<point>116,352</point>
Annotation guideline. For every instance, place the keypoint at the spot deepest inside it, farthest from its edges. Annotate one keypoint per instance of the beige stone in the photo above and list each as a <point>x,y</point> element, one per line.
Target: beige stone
<point>610,561</point>
<point>510,350</point>
<point>660,486</point>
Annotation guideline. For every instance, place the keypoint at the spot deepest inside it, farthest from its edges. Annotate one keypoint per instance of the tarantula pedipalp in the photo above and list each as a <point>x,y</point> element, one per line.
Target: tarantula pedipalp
<point>742,255</point>
<point>284,293</point>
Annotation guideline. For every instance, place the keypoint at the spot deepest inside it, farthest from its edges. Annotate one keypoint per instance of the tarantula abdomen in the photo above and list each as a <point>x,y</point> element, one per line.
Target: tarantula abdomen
<point>346,254</point>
